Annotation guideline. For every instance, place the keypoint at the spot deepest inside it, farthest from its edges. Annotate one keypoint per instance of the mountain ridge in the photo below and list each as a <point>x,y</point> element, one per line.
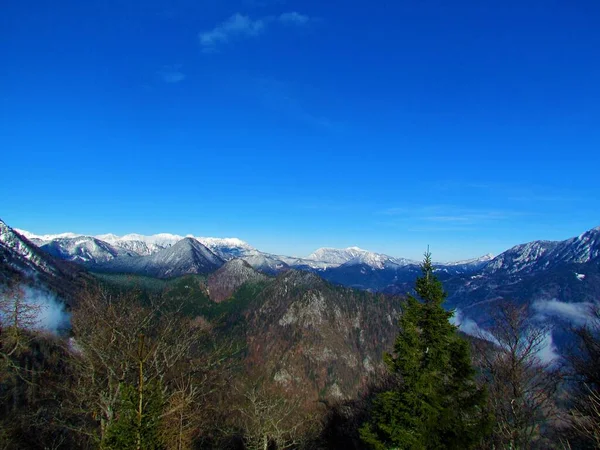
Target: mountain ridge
<point>229,248</point>
<point>185,257</point>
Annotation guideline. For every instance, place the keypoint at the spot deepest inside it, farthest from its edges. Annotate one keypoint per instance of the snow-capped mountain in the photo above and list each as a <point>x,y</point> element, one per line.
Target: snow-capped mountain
<point>139,244</point>
<point>352,256</point>
<point>543,255</point>
<point>265,262</point>
<point>304,263</point>
<point>185,257</point>
<point>463,267</point>
<point>336,256</point>
<point>469,262</point>
<point>42,239</point>
<point>21,260</point>
<point>22,255</point>
<point>350,266</point>
<point>84,249</point>
<point>99,249</point>
<point>104,247</point>
<point>227,248</point>
<point>564,273</point>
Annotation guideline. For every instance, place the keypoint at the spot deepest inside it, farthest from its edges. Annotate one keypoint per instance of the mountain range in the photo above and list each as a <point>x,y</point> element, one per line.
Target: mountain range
<point>564,271</point>
<point>296,325</point>
<point>130,253</point>
<point>23,261</point>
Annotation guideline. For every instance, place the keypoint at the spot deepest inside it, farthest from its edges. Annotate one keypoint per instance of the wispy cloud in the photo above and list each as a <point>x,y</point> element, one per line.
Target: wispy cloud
<point>49,312</point>
<point>442,217</point>
<point>547,352</point>
<point>236,26</point>
<point>516,192</point>
<point>575,313</point>
<point>171,74</point>
<point>294,18</point>
<point>240,26</point>
<point>470,327</point>
<point>283,97</point>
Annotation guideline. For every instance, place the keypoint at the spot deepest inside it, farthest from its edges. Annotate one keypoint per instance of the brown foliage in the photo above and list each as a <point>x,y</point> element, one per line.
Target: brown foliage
<point>176,353</point>
<point>522,388</point>
<point>585,365</point>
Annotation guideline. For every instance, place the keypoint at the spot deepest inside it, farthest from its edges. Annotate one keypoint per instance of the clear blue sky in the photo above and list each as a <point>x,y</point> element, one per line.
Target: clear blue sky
<point>470,126</point>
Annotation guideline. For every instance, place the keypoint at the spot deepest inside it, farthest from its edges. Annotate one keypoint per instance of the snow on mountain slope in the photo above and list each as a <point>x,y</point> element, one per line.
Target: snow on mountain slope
<point>24,262</point>
<point>356,256</point>
<point>265,262</point>
<point>44,238</point>
<point>110,238</point>
<point>140,248</point>
<point>541,255</point>
<point>227,248</point>
<point>84,249</point>
<point>140,244</point>
<point>581,249</point>
<point>335,256</point>
<point>466,262</point>
<point>185,257</point>
<point>530,256</point>
<point>379,261</point>
<point>22,254</point>
<point>300,263</point>
<point>162,240</point>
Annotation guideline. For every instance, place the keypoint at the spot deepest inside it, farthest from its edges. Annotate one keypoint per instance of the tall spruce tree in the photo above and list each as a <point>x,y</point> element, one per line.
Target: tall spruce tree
<point>435,403</point>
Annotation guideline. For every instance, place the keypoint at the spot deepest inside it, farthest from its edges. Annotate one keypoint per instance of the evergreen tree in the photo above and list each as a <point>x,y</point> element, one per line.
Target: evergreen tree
<point>137,426</point>
<point>436,403</point>
<point>128,432</point>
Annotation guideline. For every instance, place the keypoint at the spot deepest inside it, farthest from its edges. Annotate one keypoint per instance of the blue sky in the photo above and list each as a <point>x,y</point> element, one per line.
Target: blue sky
<point>469,126</point>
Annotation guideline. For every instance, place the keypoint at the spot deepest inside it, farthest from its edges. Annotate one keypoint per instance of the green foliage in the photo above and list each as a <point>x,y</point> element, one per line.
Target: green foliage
<point>130,431</point>
<point>435,403</point>
<point>187,293</point>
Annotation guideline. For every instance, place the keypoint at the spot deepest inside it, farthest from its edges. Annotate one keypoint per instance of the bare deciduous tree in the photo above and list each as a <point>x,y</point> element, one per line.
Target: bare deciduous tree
<point>271,418</point>
<point>522,387</point>
<point>585,364</point>
<point>16,317</point>
<point>119,341</point>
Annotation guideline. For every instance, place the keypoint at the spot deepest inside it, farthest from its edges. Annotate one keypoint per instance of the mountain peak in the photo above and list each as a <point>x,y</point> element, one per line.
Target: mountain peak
<point>45,237</point>
<point>336,256</point>
<point>229,277</point>
<point>545,254</point>
<point>187,256</point>
<point>192,246</point>
<point>480,260</point>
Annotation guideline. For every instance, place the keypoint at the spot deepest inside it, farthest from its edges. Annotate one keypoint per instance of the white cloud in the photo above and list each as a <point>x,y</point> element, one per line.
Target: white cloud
<point>438,218</point>
<point>470,327</point>
<point>237,25</point>
<point>50,312</point>
<point>548,352</point>
<point>242,26</point>
<point>294,18</point>
<point>171,74</point>
<point>576,313</point>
